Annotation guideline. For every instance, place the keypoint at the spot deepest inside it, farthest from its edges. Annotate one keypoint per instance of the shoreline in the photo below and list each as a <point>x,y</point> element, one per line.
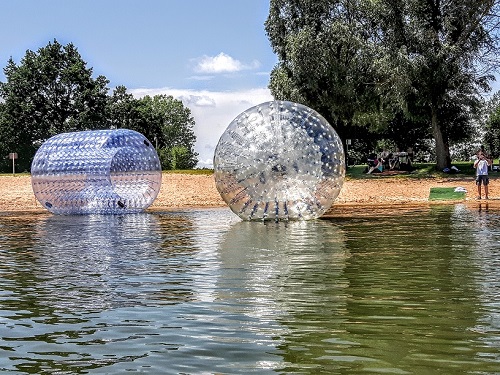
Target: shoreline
<point>182,191</point>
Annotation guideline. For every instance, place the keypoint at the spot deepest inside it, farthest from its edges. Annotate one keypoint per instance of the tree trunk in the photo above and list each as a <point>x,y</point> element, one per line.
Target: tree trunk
<point>442,150</point>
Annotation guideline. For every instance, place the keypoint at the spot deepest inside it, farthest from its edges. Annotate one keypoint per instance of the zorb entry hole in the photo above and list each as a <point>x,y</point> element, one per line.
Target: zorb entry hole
<point>279,161</point>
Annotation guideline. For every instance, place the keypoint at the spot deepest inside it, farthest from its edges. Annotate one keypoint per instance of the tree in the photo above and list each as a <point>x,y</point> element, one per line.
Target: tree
<point>162,119</point>
<point>364,63</point>
<point>49,92</point>
<point>446,50</point>
<point>491,136</point>
<point>121,109</point>
<point>52,91</point>
<point>326,62</point>
<point>169,125</point>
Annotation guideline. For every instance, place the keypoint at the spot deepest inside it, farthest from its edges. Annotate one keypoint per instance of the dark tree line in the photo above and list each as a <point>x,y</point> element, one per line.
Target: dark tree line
<point>408,71</point>
<point>53,91</point>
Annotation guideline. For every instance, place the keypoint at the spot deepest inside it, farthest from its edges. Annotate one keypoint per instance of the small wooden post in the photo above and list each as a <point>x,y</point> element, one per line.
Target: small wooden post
<point>13,157</point>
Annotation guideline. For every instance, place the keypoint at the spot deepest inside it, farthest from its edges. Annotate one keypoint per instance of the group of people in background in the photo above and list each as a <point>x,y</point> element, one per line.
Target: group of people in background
<point>402,160</point>
<point>391,161</point>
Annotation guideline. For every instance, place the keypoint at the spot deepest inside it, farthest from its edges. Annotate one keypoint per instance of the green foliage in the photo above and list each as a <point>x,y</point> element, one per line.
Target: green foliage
<point>325,62</point>
<point>177,157</point>
<point>121,109</point>
<point>182,158</point>
<point>421,170</point>
<point>163,120</point>
<point>439,47</point>
<point>408,71</point>
<point>49,92</point>
<point>491,136</point>
<point>52,91</point>
<point>165,158</point>
<point>166,122</point>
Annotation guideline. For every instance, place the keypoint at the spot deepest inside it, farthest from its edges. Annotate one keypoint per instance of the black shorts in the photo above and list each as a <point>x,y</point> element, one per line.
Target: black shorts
<point>482,179</point>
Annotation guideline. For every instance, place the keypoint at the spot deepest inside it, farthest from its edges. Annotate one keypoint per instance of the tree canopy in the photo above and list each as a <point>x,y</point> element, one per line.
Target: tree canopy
<point>369,66</point>
<point>163,120</point>
<point>50,92</point>
<point>167,123</point>
<point>491,130</point>
<point>53,91</point>
<point>325,61</point>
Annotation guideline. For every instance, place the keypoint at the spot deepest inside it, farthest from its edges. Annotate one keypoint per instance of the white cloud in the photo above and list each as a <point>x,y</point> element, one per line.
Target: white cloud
<point>198,100</point>
<point>213,111</point>
<point>222,63</point>
<point>202,78</point>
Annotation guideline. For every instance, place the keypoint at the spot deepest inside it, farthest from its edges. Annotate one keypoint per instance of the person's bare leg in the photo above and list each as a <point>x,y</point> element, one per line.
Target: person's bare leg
<point>485,191</point>
<point>478,191</point>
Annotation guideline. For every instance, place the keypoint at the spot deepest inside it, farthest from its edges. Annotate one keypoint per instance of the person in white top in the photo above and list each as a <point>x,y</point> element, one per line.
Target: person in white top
<point>482,164</point>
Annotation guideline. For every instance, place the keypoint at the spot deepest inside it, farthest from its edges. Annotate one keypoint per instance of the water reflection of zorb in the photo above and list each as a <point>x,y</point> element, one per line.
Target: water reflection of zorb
<point>101,171</point>
<point>279,160</point>
<point>109,264</point>
<point>268,268</point>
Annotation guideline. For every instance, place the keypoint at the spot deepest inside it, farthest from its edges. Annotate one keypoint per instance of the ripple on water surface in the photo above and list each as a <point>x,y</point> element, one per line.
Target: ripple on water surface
<point>198,291</point>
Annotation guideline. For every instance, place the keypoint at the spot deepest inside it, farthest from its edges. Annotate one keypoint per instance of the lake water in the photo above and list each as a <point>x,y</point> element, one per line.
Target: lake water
<point>387,291</point>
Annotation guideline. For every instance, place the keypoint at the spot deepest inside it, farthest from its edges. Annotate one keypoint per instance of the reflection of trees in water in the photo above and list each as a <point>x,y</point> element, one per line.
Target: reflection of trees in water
<point>17,238</point>
<point>176,236</point>
<point>95,262</point>
<point>483,225</point>
<point>89,291</point>
<point>17,233</point>
<point>413,290</point>
<point>392,291</point>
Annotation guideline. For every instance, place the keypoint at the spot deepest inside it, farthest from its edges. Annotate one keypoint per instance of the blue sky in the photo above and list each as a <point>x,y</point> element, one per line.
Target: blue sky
<point>214,55</point>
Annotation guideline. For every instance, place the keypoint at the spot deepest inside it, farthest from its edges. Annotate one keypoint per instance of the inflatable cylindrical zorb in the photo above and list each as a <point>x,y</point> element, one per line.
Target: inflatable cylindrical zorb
<point>96,172</point>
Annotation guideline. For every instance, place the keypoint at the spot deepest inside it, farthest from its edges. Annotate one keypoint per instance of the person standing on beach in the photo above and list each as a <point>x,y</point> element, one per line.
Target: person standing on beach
<point>482,164</point>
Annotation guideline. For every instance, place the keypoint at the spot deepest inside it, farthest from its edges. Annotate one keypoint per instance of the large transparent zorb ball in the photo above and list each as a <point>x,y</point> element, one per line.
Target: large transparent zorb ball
<point>279,161</point>
<point>96,172</point>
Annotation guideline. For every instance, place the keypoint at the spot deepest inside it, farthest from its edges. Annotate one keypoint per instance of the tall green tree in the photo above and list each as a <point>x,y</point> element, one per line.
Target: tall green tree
<point>162,119</point>
<point>326,56</point>
<point>169,125</point>
<point>446,50</point>
<point>364,63</point>
<point>49,92</point>
<point>491,129</point>
<point>121,109</point>
<point>52,91</point>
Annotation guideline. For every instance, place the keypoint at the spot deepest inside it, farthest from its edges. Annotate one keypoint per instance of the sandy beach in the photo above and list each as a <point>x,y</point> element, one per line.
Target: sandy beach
<point>189,190</point>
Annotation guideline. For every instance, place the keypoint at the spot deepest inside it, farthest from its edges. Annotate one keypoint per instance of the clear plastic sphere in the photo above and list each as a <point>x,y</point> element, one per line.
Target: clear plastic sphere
<point>279,161</point>
<point>96,172</point>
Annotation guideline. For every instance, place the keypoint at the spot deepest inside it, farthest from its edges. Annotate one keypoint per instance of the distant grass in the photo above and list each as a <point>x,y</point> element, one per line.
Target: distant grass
<point>18,174</point>
<point>421,170</point>
<point>180,171</point>
<point>445,193</point>
<point>191,171</point>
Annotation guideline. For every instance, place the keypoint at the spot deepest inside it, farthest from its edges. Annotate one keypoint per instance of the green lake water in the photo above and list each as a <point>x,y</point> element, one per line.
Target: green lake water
<point>367,291</point>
